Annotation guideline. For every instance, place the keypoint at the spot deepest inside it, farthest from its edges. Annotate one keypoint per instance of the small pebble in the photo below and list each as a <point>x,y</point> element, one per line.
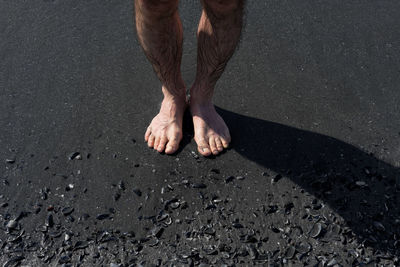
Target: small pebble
<point>379,226</point>
<point>49,221</point>
<point>229,179</point>
<point>12,224</point>
<point>289,253</point>
<point>102,216</point>
<point>199,185</point>
<point>361,183</point>
<point>315,230</point>
<point>10,161</point>
<point>137,192</point>
<point>276,178</point>
<point>75,155</point>
<point>64,259</point>
<point>67,211</point>
<point>121,185</point>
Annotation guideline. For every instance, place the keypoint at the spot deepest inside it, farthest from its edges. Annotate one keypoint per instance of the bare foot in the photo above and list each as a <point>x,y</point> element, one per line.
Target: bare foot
<point>210,131</point>
<point>165,130</point>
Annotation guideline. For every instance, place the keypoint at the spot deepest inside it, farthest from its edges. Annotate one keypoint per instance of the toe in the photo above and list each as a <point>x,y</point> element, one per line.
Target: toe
<point>156,142</point>
<point>213,146</point>
<point>203,147</point>
<point>172,146</point>
<point>147,134</point>
<point>150,142</point>
<point>218,142</point>
<point>161,145</point>
<point>225,141</point>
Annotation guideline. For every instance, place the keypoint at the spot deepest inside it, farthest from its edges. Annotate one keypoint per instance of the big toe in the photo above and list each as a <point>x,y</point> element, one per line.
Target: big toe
<point>172,145</point>
<point>203,147</point>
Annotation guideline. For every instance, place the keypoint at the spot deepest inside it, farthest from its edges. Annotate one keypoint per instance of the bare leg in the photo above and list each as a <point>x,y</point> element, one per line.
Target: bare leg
<point>159,31</point>
<point>218,34</point>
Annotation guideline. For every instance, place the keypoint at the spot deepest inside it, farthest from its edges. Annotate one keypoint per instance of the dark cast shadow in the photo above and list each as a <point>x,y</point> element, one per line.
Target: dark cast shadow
<point>355,184</point>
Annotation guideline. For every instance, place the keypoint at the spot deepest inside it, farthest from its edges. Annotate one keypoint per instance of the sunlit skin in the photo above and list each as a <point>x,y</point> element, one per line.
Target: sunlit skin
<point>159,31</point>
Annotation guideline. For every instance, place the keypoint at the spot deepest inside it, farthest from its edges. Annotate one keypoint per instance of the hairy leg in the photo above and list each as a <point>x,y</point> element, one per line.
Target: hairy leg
<point>159,31</point>
<point>218,34</point>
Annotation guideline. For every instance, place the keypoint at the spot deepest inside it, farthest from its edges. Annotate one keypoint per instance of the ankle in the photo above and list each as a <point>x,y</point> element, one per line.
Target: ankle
<point>198,108</point>
<point>177,96</point>
<point>200,100</point>
<point>173,105</point>
<point>175,99</point>
<point>201,94</point>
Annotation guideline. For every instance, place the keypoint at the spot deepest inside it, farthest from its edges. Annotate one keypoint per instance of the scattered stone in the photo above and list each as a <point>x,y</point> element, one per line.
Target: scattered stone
<point>194,155</point>
<point>332,262</point>
<point>10,161</point>
<point>237,225</point>
<point>64,259</point>
<point>379,226</point>
<point>172,203</point>
<point>315,230</point>
<point>67,211</point>
<point>199,185</point>
<point>303,247</point>
<point>121,185</point>
<point>69,187</point>
<point>13,261</point>
<point>153,242</point>
<point>75,155</point>
<point>361,183</point>
<point>157,231</point>
<point>102,216</point>
<point>209,231</point>
<point>175,205</point>
<point>137,192</point>
<point>49,221</point>
<point>253,253</point>
<point>81,245</point>
<point>12,224</point>
<point>210,250</point>
<point>161,217</point>
<point>55,234</point>
<point>276,178</point>
<point>289,253</point>
<point>229,179</point>
<point>272,209</point>
<point>288,207</point>
<point>216,171</point>
<point>43,193</point>
<point>67,237</point>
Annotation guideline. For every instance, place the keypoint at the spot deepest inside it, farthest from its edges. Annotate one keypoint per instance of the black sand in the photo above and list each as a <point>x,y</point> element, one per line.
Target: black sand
<point>312,101</point>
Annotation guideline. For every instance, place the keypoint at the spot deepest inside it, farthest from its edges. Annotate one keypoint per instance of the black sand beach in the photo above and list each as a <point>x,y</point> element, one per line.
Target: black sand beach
<point>312,177</point>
